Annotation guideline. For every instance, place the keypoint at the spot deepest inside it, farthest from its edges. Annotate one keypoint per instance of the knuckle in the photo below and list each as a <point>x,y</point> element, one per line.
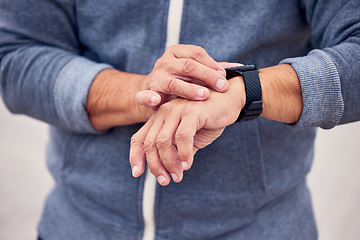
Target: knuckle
<point>171,85</point>
<point>148,145</point>
<point>153,167</point>
<point>180,136</point>
<point>171,165</point>
<point>197,52</point>
<point>134,140</point>
<point>207,75</point>
<point>171,48</point>
<point>188,66</point>
<point>163,142</point>
<point>159,63</point>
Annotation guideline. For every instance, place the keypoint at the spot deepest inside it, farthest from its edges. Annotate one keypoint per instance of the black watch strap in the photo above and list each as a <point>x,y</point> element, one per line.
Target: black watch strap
<point>253,106</point>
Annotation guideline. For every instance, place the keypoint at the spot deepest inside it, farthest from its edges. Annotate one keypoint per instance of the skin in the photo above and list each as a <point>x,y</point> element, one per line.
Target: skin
<point>184,70</point>
<point>187,125</point>
<point>174,133</point>
<point>176,129</point>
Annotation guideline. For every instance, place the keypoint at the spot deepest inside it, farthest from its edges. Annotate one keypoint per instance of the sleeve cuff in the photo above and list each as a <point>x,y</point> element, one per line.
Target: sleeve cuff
<point>323,104</point>
<point>70,93</point>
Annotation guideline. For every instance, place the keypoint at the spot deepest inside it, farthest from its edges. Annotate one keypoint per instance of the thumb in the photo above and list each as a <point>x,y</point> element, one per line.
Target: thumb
<point>148,98</point>
<point>229,65</point>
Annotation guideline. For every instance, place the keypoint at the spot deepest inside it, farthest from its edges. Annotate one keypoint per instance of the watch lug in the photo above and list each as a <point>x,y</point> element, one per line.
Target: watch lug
<point>253,106</point>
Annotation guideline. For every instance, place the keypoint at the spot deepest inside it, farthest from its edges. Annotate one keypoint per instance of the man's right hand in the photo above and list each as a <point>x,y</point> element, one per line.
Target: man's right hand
<point>185,71</point>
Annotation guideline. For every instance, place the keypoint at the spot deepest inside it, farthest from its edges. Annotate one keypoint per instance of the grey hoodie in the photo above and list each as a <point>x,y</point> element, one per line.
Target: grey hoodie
<point>250,183</point>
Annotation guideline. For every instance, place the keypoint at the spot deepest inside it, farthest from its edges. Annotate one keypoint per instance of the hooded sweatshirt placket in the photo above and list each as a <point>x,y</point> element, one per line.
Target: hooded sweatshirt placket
<point>148,203</point>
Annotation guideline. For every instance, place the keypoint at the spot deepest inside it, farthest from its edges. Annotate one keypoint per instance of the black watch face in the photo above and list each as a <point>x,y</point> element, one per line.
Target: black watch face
<point>233,72</point>
<point>238,70</point>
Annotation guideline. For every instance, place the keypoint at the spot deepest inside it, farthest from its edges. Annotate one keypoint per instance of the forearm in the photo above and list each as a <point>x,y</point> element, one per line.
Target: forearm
<point>329,74</point>
<point>48,84</point>
<point>281,92</point>
<point>42,73</point>
<point>111,100</point>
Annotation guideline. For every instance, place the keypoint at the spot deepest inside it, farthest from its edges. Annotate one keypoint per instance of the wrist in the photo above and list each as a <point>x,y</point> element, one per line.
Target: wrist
<point>238,94</point>
<point>111,100</point>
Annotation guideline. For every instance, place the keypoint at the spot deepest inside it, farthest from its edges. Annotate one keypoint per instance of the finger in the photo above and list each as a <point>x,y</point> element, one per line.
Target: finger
<point>191,68</point>
<point>148,98</point>
<point>178,87</point>
<point>152,156</point>
<point>167,149</point>
<point>184,139</point>
<point>137,154</point>
<point>195,53</point>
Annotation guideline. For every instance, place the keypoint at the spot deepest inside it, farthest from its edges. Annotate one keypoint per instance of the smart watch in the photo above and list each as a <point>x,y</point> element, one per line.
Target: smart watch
<point>253,106</point>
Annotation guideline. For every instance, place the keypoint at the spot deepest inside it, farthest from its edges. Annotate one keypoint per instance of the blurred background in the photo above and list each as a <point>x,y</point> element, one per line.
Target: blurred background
<point>24,180</point>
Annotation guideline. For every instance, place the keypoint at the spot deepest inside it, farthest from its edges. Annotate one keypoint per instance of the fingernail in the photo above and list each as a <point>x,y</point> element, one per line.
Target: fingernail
<point>222,73</point>
<point>174,177</point>
<point>161,179</point>
<point>135,169</point>
<point>220,84</point>
<point>184,165</point>
<point>153,100</point>
<point>201,92</point>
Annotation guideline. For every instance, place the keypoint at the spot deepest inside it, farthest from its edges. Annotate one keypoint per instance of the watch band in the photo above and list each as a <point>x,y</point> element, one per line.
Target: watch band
<point>253,106</point>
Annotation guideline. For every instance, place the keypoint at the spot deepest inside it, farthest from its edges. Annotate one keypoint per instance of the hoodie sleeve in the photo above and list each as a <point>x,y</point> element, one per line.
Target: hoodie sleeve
<point>42,73</point>
<point>330,74</point>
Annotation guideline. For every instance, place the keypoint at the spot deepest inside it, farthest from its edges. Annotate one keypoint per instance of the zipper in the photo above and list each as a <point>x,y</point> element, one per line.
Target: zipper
<point>174,22</point>
<point>148,203</point>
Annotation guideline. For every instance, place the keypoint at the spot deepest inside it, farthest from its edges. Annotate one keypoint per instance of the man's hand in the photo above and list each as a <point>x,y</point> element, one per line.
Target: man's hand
<point>182,71</point>
<point>179,128</point>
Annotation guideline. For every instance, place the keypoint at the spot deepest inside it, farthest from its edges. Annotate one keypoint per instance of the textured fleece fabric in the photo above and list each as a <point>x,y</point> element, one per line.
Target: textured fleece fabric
<point>250,183</point>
